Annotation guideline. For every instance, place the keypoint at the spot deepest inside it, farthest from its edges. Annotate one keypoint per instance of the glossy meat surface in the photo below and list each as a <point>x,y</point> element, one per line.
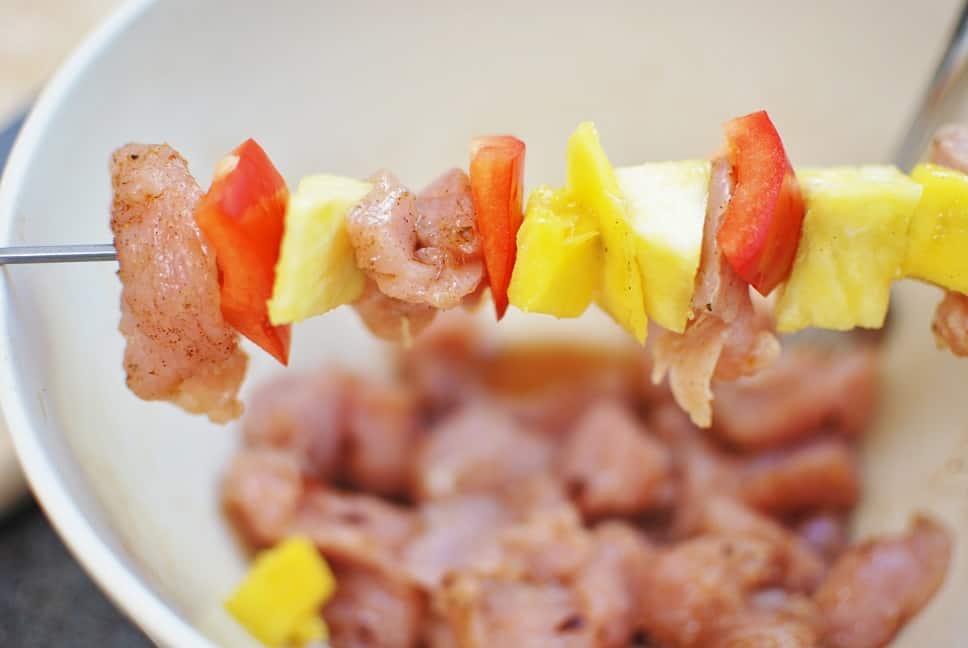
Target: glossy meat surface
<point>419,249</point>
<point>179,347</point>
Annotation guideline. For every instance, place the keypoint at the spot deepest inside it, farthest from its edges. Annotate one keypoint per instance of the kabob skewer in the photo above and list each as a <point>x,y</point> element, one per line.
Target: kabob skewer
<point>678,243</point>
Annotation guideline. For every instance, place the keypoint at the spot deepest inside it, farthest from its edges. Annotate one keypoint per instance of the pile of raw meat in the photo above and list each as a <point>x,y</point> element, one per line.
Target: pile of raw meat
<point>541,497</point>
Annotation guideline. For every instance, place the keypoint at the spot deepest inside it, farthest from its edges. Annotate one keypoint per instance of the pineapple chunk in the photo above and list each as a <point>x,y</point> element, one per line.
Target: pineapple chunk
<point>312,631</point>
<point>938,237</point>
<point>853,246</point>
<point>283,592</point>
<point>316,271</point>
<point>594,186</point>
<point>559,260</point>
<point>667,211</point>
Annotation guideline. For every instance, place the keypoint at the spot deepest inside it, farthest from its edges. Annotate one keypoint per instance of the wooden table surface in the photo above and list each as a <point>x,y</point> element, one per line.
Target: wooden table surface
<point>35,37</point>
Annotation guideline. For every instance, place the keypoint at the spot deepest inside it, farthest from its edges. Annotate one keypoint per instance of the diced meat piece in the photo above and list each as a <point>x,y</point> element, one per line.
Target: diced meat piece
<point>381,438</point>
<point>760,630</point>
<point>949,148</point>
<point>719,290</point>
<point>610,582</point>
<point>392,319</point>
<point>790,605</point>
<point>693,584</point>
<point>383,229</point>
<point>267,497</point>
<point>372,610</point>
<point>477,449</point>
<point>361,529</point>
<point>437,633</point>
<point>261,492</point>
<point>527,529</point>
<point>450,529</point>
<point>751,344</point>
<point>802,568</point>
<point>950,324</point>
<point>826,533</point>
<point>876,586</point>
<point>703,469</point>
<point>539,492</point>
<point>343,428</point>
<point>612,465</point>
<point>547,546</point>
<point>672,425</point>
<point>816,475</point>
<point>488,612</point>
<point>775,618</point>
<point>690,359</point>
<point>726,338</point>
<point>774,408</point>
<point>179,347</point>
<point>305,414</point>
<point>441,365</point>
<point>446,219</point>
<point>549,386</point>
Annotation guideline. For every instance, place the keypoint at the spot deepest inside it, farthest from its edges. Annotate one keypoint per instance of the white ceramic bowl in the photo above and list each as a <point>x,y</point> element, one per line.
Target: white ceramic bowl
<point>347,87</point>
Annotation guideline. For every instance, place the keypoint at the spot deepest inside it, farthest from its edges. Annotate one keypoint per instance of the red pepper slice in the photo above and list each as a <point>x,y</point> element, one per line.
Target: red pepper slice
<point>242,217</point>
<point>761,227</point>
<point>497,185</point>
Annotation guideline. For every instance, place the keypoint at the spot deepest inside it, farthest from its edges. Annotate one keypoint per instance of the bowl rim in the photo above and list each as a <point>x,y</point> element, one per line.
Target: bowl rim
<point>123,587</point>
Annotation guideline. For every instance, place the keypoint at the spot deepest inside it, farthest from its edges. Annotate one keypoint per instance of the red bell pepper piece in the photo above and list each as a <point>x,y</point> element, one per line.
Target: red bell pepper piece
<point>242,217</point>
<point>760,230</point>
<point>497,185</point>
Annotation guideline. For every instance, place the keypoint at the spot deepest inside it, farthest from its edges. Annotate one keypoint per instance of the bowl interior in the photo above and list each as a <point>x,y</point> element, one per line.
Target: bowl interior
<point>350,87</point>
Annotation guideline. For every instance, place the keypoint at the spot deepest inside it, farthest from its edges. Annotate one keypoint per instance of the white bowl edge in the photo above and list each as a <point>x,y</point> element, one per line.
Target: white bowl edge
<point>155,618</point>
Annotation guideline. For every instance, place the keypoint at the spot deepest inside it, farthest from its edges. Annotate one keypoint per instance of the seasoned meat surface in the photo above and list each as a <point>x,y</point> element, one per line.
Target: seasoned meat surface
<point>179,347</point>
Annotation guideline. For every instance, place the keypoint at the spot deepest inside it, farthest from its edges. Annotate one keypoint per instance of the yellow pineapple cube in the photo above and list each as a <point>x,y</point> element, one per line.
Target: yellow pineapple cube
<point>316,271</point>
<point>283,591</point>
<point>853,246</point>
<point>559,262</point>
<point>938,236</point>
<point>595,187</point>
<point>667,212</point>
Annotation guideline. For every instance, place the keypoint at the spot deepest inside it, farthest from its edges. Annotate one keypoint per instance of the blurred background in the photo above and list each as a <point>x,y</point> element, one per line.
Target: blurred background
<point>35,36</point>
<point>46,600</point>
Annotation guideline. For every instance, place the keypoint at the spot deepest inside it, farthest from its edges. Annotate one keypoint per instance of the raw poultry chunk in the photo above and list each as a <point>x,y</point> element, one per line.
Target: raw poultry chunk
<point>816,475</point>
<point>391,228</point>
<point>806,389</point>
<point>179,347</point>
<point>488,612</point>
<point>611,580</point>
<point>477,449</point>
<point>611,465</point>
<point>691,585</point>
<point>372,610</point>
<point>878,585</point>
<point>343,428</point>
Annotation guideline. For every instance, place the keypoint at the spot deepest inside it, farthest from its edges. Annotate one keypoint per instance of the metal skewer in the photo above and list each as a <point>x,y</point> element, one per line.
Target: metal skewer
<point>57,253</point>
